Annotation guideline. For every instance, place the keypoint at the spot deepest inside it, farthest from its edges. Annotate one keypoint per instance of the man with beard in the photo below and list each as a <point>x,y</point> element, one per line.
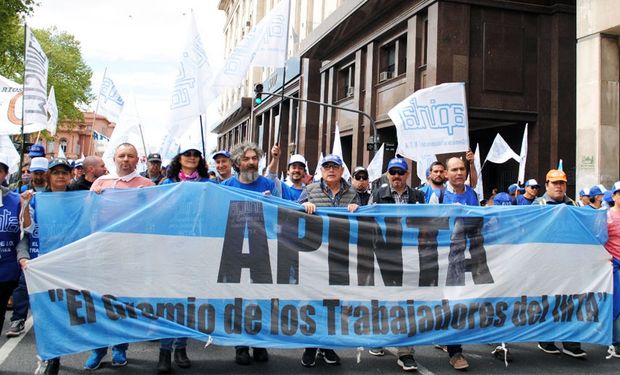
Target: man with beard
<point>153,169</point>
<point>359,181</point>
<point>433,190</point>
<point>296,172</point>
<point>38,170</point>
<point>246,157</point>
<point>223,165</point>
<point>93,167</point>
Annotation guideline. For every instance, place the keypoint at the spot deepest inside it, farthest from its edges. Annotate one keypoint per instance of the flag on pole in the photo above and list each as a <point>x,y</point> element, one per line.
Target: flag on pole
<point>8,148</point>
<point>479,186</point>
<point>523,157</point>
<point>337,150</point>
<point>110,100</point>
<point>317,171</point>
<point>560,166</point>
<point>52,109</point>
<point>500,151</point>
<point>35,85</point>
<point>10,107</point>
<point>99,137</point>
<point>264,45</point>
<point>61,152</point>
<point>375,168</point>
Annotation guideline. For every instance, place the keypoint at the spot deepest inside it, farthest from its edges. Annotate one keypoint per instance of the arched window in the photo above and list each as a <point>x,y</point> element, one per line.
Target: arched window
<point>63,144</point>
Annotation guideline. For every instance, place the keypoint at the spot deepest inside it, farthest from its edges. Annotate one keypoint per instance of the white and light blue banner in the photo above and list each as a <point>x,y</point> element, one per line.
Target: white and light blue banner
<point>432,121</point>
<point>204,261</point>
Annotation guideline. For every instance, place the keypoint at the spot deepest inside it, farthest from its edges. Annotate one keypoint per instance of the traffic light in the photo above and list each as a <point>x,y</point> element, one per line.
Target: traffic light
<point>258,94</point>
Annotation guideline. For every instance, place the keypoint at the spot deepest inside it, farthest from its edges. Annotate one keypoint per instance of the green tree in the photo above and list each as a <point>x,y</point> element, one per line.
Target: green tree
<point>12,34</point>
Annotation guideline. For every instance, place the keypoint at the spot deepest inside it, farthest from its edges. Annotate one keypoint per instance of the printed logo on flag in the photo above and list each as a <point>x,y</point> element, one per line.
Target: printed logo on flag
<point>110,93</point>
<point>434,116</point>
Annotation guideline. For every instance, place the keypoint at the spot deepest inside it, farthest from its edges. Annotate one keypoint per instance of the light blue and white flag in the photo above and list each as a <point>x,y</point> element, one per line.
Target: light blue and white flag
<point>375,168</point>
<point>52,109</point>
<point>523,157</point>
<point>265,45</point>
<point>205,261</point>
<point>110,102</point>
<point>500,152</point>
<point>35,85</point>
<point>432,121</point>
<point>99,137</point>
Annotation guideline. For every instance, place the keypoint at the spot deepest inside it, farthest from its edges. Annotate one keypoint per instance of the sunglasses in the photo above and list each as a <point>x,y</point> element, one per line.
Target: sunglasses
<point>330,166</point>
<point>361,177</point>
<point>195,154</point>
<point>534,187</point>
<point>394,172</point>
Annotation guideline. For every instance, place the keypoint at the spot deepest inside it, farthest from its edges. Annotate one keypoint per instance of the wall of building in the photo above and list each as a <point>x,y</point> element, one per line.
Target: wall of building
<point>78,137</point>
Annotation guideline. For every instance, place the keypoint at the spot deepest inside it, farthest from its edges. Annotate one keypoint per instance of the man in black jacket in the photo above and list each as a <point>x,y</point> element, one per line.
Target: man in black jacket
<point>396,190</point>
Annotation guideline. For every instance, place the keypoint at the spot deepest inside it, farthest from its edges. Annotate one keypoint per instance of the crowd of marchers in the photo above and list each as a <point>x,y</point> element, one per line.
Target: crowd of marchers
<point>451,182</point>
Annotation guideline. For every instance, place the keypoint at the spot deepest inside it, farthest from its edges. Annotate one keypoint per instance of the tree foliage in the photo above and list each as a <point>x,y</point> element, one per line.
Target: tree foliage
<point>12,34</point>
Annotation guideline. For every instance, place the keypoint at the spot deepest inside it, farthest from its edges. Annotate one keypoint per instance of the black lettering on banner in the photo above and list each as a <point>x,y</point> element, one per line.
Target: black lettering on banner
<point>443,315</point>
<point>471,315</point>
<point>252,319</point>
<point>426,321</point>
<point>388,250</point>
<point>486,315</point>
<point>362,324</point>
<point>73,305</point>
<point>275,312</point>
<point>172,311</point>
<point>428,231</point>
<point>398,321</point>
<point>309,326</point>
<point>206,318</point>
<point>289,320</point>
<point>518,313</point>
<point>380,324</point>
<point>112,310</point>
<point>147,310</point>
<point>233,317</point>
<point>191,312</point>
<point>580,299</point>
<point>331,305</point>
<point>411,318</point>
<point>459,316</point>
<point>534,312</point>
<point>500,312</point>
<point>345,313</point>
<point>242,215</point>
<point>290,244</point>
<point>592,307</point>
<point>545,304</point>
<point>467,228</point>
<point>338,250</point>
<point>131,310</point>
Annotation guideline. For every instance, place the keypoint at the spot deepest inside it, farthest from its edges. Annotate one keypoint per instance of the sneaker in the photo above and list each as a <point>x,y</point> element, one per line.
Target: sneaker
<point>613,351</point>
<point>548,347</point>
<point>308,358</point>
<point>330,356</point>
<point>260,355</point>
<point>52,367</point>
<point>407,362</point>
<point>119,358</point>
<point>443,348</point>
<point>242,356</point>
<point>459,362</point>
<point>93,362</point>
<point>379,352</point>
<point>502,353</point>
<point>16,328</point>
<point>576,352</point>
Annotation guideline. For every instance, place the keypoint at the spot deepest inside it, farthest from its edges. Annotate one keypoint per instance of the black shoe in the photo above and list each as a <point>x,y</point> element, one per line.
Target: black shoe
<point>502,353</point>
<point>242,356</point>
<point>548,347</point>
<point>575,352</point>
<point>407,362</point>
<point>260,355</point>
<point>330,356</point>
<point>180,358</point>
<point>52,367</point>
<point>308,359</point>
<point>164,366</point>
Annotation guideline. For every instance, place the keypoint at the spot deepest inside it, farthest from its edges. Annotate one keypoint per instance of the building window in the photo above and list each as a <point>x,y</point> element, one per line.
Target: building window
<point>346,81</point>
<point>77,149</point>
<point>63,145</point>
<point>393,58</point>
<point>50,146</point>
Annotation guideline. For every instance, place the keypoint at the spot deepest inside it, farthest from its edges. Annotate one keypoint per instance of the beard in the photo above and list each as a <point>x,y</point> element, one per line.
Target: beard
<point>249,175</point>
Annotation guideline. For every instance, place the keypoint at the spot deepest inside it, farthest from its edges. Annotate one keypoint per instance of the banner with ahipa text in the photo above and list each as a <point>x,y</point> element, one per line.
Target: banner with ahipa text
<point>204,261</point>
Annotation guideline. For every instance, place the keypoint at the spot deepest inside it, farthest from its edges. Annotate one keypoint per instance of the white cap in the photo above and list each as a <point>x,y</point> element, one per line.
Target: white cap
<point>4,159</point>
<point>531,182</point>
<point>297,158</point>
<point>38,164</point>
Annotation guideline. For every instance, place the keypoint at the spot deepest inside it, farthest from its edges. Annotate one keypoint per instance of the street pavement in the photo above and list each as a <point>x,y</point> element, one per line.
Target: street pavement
<point>18,356</point>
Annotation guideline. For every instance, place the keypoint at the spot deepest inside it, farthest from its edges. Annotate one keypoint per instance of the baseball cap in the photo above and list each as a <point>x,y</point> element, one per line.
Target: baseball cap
<point>513,189</point>
<point>297,158</point>
<point>359,170</point>
<point>4,160</point>
<point>597,190</point>
<point>154,157</point>
<point>59,161</point>
<point>38,164</point>
<point>502,199</point>
<point>585,192</point>
<point>36,150</point>
<point>78,164</point>
<point>398,163</point>
<point>607,197</point>
<point>331,158</point>
<point>531,182</point>
<point>189,148</point>
<point>224,153</point>
<point>554,175</point>
<point>615,187</point>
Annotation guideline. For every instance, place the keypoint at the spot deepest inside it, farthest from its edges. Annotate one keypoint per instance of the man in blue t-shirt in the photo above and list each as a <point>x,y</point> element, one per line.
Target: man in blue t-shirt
<point>246,157</point>
<point>292,187</point>
<point>531,193</point>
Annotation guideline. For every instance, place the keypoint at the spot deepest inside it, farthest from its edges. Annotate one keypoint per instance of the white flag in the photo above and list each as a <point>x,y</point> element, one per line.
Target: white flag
<point>61,153</point>
<point>265,45</point>
<point>432,121</point>
<point>262,164</point>
<point>479,188</point>
<point>110,102</point>
<point>10,107</point>
<point>35,85</point>
<point>500,152</point>
<point>317,172</point>
<point>52,109</point>
<point>422,164</point>
<point>337,150</point>
<point>375,168</point>
<point>8,148</point>
<point>523,156</point>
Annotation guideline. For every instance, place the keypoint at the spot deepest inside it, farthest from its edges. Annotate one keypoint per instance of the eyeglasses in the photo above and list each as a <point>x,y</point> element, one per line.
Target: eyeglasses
<point>534,187</point>
<point>394,172</point>
<point>191,153</point>
<point>361,177</point>
<point>330,166</point>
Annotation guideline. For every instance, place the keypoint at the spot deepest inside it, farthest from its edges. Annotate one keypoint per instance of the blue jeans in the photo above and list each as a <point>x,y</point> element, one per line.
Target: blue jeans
<point>20,300</point>
<point>121,347</point>
<point>179,343</point>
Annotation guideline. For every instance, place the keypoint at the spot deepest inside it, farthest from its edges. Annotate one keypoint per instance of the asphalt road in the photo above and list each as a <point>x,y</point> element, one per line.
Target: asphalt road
<point>18,356</point>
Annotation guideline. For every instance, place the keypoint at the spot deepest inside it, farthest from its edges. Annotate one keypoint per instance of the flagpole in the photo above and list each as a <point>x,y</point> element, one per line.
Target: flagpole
<point>135,104</point>
<point>92,126</point>
<point>288,25</point>
<point>21,153</point>
<point>202,138</point>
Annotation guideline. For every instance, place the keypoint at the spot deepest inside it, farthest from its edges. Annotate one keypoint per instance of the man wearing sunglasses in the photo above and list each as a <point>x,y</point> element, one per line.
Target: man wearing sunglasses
<point>396,190</point>
<point>359,181</point>
<point>531,193</point>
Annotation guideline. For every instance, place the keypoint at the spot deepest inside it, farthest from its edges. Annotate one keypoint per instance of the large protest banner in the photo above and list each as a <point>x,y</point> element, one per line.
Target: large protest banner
<point>200,260</point>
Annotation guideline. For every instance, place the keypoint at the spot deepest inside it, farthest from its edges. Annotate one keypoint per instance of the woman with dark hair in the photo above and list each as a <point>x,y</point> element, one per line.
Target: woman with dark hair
<point>188,165</point>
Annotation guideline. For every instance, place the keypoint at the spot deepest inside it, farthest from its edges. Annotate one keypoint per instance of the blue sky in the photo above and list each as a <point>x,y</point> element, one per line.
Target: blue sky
<point>140,43</point>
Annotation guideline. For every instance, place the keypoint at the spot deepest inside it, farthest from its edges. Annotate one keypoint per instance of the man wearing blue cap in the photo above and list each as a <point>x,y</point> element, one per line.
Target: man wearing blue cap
<point>331,191</point>
<point>531,193</point>
<point>584,197</point>
<point>223,165</point>
<point>596,197</point>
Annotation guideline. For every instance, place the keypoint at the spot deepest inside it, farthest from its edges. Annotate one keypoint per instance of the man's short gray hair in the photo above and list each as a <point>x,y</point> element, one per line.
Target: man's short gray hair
<point>239,151</point>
